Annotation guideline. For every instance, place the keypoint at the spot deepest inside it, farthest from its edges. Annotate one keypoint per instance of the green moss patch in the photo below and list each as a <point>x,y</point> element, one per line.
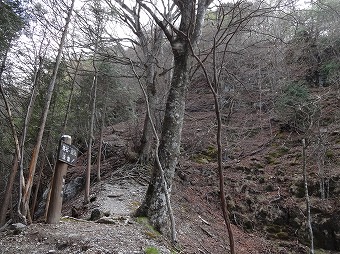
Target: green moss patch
<point>151,250</point>
<point>150,231</point>
<point>206,156</point>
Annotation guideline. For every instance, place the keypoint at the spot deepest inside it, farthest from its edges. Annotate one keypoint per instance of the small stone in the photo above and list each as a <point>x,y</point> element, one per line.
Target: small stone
<point>18,228</point>
<point>96,214</point>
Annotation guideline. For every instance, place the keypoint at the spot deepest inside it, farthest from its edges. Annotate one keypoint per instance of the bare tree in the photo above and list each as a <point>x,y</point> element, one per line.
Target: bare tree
<point>158,163</point>
<point>149,39</point>
<point>97,33</point>
<point>178,34</point>
<point>229,22</point>
<point>36,150</point>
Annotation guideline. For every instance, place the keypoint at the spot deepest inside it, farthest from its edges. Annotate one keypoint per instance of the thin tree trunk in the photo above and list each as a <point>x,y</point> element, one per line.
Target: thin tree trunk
<point>14,170</point>
<point>102,126</point>
<point>150,44</point>
<point>309,218</point>
<point>98,32</point>
<point>36,149</point>
<point>25,127</point>
<point>8,192</point>
<point>220,163</point>
<point>36,191</point>
<point>71,95</point>
<point>91,137</point>
<point>147,139</point>
<point>99,156</point>
<point>214,91</point>
<point>38,181</point>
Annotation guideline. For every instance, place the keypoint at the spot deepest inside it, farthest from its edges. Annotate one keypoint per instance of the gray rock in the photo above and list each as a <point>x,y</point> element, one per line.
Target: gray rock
<point>96,214</point>
<point>72,188</point>
<point>17,228</point>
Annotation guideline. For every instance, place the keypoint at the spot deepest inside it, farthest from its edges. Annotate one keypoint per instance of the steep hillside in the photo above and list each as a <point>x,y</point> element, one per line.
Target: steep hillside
<point>263,167</point>
<point>263,178</point>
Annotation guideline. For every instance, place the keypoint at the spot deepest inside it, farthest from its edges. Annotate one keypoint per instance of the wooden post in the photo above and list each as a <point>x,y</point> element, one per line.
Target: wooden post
<point>58,181</point>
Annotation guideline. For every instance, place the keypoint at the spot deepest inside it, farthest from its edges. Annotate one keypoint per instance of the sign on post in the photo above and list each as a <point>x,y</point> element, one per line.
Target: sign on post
<point>67,154</point>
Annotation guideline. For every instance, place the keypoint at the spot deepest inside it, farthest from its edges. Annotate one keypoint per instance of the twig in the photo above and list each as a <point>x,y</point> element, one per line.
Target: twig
<point>203,220</point>
<point>207,232</point>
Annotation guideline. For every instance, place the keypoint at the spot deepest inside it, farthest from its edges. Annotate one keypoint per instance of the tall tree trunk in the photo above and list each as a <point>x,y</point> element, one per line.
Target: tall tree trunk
<point>36,149</point>
<point>309,218</point>
<point>98,33</point>
<point>192,15</point>
<point>147,139</point>
<point>102,126</point>
<point>14,170</point>
<point>101,136</point>
<point>151,53</point>
<point>47,144</point>
<point>150,43</point>
<point>214,88</point>
<point>91,132</point>
<point>154,205</point>
<point>25,127</point>
<point>158,163</point>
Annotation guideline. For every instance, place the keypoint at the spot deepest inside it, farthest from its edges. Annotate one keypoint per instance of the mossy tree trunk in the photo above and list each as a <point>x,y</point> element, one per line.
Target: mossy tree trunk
<point>192,15</point>
<point>154,205</point>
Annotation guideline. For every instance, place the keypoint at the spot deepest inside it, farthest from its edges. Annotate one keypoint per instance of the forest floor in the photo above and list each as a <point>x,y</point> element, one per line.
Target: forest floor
<point>200,226</point>
<point>259,172</point>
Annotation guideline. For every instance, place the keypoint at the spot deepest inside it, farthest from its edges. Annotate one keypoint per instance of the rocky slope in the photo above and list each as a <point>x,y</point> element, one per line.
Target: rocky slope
<point>263,178</point>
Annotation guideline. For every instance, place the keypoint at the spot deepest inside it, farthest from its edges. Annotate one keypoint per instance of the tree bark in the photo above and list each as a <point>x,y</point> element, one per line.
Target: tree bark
<point>25,127</point>
<point>90,140</point>
<point>147,139</point>
<point>154,205</point>
<point>150,44</point>
<point>158,163</point>
<point>99,156</point>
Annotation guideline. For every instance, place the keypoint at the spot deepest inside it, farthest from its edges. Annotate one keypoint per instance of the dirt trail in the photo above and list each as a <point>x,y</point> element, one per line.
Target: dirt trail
<point>121,234</point>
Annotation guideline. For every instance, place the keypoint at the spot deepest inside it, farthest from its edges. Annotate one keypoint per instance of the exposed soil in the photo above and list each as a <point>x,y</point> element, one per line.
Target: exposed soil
<point>262,166</point>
